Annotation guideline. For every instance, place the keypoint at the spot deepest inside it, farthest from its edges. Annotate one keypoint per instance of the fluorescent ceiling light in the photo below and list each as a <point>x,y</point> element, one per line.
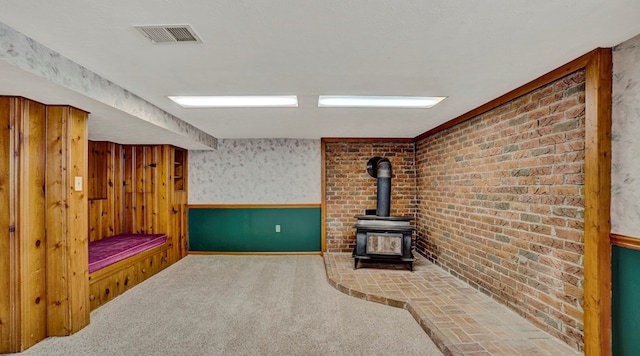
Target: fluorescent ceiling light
<point>255,101</point>
<point>352,101</point>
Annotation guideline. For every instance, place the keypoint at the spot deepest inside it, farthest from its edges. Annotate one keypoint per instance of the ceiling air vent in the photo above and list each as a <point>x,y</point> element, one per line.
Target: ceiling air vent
<point>169,33</point>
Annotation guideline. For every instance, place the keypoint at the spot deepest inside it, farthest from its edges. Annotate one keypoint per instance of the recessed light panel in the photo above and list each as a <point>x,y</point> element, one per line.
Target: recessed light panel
<point>252,101</point>
<point>352,101</point>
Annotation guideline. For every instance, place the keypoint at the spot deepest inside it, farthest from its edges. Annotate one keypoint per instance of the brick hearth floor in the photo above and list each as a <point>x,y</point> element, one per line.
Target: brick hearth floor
<point>459,319</point>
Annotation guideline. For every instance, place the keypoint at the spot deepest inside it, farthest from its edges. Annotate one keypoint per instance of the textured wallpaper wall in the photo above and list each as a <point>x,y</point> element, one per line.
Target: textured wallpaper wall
<point>30,56</point>
<point>625,145</point>
<point>256,171</point>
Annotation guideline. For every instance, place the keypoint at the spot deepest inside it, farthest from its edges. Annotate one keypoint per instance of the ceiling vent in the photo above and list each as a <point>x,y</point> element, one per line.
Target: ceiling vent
<point>169,33</point>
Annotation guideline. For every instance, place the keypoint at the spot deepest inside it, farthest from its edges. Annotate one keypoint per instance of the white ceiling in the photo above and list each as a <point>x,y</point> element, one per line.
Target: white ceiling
<point>470,51</point>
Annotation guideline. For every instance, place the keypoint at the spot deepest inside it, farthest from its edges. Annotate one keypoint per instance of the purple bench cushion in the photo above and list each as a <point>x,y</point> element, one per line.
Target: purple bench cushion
<point>105,252</point>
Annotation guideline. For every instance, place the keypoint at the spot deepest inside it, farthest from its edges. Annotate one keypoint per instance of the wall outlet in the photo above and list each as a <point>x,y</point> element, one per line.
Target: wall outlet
<point>277,228</point>
<point>77,186</point>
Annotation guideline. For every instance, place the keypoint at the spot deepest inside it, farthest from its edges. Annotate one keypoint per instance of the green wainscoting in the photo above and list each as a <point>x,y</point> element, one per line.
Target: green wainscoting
<point>625,313</point>
<point>253,229</point>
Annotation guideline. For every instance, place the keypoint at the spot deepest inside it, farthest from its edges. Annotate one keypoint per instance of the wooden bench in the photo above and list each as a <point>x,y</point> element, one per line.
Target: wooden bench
<point>118,263</point>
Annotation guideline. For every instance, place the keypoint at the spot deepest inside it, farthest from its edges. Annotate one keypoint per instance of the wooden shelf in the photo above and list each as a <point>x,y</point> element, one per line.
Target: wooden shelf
<point>179,168</point>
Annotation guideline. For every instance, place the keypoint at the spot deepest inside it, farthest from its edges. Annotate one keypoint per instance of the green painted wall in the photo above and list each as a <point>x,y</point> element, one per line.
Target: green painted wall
<point>253,229</point>
<point>625,285</point>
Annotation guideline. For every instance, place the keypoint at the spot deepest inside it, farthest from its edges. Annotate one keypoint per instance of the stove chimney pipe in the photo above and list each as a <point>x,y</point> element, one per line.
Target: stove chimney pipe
<point>380,168</point>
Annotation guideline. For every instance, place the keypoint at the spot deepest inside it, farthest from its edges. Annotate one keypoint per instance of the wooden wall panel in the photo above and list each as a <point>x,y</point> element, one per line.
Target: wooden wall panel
<point>128,197</point>
<point>138,203</point>
<point>23,294</point>
<point>56,268</point>
<point>179,192</point>
<point>106,215</point>
<point>162,203</point>
<point>151,192</point>
<point>8,251</point>
<point>44,225</point>
<point>6,221</point>
<point>180,224</point>
<point>597,205</point>
<point>31,227</point>
<point>97,180</point>
<point>77,214</point>
<point>22,241</point>
<point>96,207</point>
<point>142,196</point>
<point>67,223</point>
<point>116,189</point>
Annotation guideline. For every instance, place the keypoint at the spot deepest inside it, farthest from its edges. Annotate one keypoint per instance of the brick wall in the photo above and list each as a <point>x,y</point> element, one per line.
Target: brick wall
<point>350,190</point>
<point>501,204</point>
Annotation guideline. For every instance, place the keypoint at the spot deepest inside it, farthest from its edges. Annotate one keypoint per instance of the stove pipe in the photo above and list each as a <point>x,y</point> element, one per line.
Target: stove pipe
<point>380,168</point>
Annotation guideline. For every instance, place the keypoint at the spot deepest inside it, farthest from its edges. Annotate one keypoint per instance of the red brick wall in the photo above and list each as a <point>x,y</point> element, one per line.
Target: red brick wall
<point>501,204</point>
<point>350,190</point>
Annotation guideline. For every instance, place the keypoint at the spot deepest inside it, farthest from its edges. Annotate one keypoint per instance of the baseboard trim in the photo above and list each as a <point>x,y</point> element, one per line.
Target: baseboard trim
<point>318,253</point>
<point>252,206</point>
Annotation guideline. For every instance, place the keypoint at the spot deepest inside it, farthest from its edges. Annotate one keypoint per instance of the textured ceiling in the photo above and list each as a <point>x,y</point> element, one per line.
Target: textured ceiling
<point>469,51</point>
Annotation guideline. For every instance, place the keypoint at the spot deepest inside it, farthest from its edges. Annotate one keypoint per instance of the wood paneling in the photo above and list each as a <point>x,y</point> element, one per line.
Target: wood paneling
<point>141,197</point>
<point>115,191</point>
<point>47,223</point>
<point>31,226</point>
<point>23,298</point>
<point>179,169</point>
<point>7,252</point>
<point>98,161</point>
<point>597,186</point>
<point>179,193</point>
<point>24,251</point>
<point>179,212</point>
<point>77,215</point>
<point>56,266</point>
<point>140,191</point>
<point>67,221</point>
<point>105,216</point>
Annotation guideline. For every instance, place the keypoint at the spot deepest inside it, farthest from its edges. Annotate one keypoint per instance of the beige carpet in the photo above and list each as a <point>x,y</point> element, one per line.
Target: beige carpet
<point>242,305</point>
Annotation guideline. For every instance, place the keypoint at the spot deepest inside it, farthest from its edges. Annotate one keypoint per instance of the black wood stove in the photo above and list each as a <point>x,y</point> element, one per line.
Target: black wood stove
<point>380,237</point>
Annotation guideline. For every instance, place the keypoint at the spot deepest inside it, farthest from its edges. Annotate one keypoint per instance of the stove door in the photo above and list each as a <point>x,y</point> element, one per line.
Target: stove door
<point>384,243</point>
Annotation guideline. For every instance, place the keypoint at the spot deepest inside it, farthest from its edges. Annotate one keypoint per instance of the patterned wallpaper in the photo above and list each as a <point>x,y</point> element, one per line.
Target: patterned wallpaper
<point>625,144</point>
<point>25,53</point>
<point>256,171</point>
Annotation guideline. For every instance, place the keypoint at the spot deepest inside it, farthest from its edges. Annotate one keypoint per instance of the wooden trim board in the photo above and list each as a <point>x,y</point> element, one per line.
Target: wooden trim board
<point>625,241</point>
<point>597,204</point>
<point>208,253</point>
<point>252,206</point>
<point>575,65</point>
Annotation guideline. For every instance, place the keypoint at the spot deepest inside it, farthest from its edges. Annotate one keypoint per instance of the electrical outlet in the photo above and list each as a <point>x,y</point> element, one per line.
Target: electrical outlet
<point>77,186</point>
<point>277,228</point>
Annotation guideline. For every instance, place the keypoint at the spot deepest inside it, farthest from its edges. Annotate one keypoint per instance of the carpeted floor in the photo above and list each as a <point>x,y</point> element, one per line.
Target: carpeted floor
<point>242,305</point>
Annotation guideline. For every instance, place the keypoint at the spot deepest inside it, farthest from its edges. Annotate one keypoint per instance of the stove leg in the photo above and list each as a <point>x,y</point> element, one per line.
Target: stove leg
<point>355,264</point>
<point>411,266</point>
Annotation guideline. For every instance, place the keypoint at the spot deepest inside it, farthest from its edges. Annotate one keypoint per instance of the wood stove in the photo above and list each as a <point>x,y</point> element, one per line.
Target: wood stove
<point>380,237</point>
<point>383,239</point>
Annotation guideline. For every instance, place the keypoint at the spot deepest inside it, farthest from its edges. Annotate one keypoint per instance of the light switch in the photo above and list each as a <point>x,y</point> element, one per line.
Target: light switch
<point>277,228</point>
<point>77,184</point>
